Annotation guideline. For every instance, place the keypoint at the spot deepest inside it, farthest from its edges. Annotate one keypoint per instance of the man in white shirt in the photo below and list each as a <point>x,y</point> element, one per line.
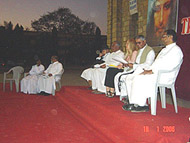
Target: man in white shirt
<point>145,58</point>
<point>87,74</point>
<point>143,85</point>
<point>29,83</point>
<point>46,82</point>
<point>98,76</point>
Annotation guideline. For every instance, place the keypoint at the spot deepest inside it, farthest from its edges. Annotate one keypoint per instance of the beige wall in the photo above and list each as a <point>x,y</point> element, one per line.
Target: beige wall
<point>121,25</point>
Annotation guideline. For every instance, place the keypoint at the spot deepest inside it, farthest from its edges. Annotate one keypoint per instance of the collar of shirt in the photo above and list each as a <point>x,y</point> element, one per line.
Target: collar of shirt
<point>55,62</point>
<point>117,51</point>
<point>170,45</point>
<point>143,48</point>
<point>167,48</point>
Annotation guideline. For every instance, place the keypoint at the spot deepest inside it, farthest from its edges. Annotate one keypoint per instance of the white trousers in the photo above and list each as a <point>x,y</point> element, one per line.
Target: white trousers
<point>98,79</point>
<point>46,84</point>
<point>140,87</point>
<point>29,84</point>
<point>87,74</point>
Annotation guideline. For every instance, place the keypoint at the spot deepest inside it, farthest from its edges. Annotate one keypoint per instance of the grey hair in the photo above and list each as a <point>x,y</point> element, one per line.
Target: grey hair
<point>117,44</point>
<point>140,37</point>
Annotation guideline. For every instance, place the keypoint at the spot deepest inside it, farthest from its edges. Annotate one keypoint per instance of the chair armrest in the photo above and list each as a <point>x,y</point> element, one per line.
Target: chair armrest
<point>25,74</point>
<point>167,71</point>
<point>177,68</point>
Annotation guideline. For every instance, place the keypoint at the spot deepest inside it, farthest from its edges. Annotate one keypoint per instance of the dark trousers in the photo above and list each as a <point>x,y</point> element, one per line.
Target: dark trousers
<point>110,74</point>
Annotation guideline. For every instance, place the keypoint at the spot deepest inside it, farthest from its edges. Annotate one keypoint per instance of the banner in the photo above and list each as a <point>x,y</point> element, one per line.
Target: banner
<point>162,15</point>
<point>132,7</point>
<point>183,34</point>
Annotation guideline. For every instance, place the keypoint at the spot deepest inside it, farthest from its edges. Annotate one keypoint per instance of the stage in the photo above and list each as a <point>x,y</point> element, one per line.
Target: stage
<point>76,115</point>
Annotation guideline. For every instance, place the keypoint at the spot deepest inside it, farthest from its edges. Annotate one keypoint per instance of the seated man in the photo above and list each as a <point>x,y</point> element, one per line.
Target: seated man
<point>87,74</point>
<point>98,76</point>
<point>142,86</point>
<point>46,82</point>
<point>29,83</point>
<point>145,58</point>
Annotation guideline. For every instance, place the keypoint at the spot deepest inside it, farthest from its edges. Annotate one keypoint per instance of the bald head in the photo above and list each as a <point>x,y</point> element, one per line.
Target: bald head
<point>115,46</point>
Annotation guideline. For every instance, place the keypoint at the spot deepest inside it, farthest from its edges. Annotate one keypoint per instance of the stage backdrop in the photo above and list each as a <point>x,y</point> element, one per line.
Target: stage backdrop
<point>183,33</point>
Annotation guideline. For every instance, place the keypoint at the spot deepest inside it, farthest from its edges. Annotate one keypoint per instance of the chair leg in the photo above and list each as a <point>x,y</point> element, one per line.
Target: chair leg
<point>17,85</point>
<point>174,98</point>
<point>11,85</point>
<point>3,86</point>
<point>59,83</point>
<point>4,81</point>
<point>149,100</point>
<point>154,103</point>
<point>163,96</point>
<point>53,92</point>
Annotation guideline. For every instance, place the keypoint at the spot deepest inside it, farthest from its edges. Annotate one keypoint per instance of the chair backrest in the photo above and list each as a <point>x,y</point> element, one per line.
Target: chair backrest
<point>58,76</point>
<point>17,71</point>
<point>175,70</point>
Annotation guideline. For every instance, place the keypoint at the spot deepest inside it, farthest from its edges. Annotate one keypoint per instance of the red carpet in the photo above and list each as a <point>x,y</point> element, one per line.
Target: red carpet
<point>75,115</point>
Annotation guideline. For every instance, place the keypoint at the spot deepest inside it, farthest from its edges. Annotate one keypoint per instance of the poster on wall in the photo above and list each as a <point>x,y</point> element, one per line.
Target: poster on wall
<point>162,15</point>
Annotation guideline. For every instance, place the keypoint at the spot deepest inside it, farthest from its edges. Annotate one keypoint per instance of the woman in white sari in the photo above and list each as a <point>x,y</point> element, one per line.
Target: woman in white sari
<point>29,83</point>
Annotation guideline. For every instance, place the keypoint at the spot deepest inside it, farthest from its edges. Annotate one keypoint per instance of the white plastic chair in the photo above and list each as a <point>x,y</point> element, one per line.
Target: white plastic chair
<point>59,81</point>
<point>17,71</point>
<point>162,90</point>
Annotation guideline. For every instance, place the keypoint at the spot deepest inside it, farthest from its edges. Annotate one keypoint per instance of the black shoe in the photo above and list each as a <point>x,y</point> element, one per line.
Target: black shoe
<point>128,107</point>
<point>90,88</point>
<point>43,93</point>
<point>140,109</point>
<point>46,94</point>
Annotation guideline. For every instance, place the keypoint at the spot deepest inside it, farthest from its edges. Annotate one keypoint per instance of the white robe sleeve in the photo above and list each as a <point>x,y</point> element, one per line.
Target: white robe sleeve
<point>32,71</point>
<point>149,60</point>
<point>58,69</point>
<point>167,60</point>
<point>40,70</point>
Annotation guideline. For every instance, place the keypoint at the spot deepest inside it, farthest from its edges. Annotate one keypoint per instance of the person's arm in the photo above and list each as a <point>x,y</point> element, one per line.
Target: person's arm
<point>132,60</point>
<point>58,70</point>
<point>32,71</point>
<point>168,61</point>
<point>113,62</point>
<point>99,57</point>
<point>48,69</point>
<point>149,60</point>
<point>133,57</point>
<point>40,70</point>
<point>146,72</point>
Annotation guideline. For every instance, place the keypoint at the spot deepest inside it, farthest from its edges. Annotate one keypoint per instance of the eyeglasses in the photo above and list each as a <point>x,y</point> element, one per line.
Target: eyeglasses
<point>164,36</point>
<point>138,42</point>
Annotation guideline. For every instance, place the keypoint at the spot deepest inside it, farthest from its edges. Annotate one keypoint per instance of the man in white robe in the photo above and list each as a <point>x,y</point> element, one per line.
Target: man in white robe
<point>47,81</point>
<point>87,74</point>
<point>148,60</point>
<point>142,86</point>
<point>29,83</point>
<point>98,76</point>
